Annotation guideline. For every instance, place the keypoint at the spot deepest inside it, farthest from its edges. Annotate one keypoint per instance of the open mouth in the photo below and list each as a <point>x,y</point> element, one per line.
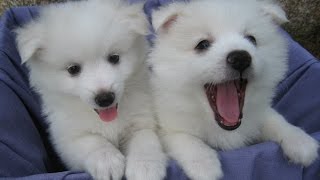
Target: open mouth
<point>108,114</point>
<point>226,101</point>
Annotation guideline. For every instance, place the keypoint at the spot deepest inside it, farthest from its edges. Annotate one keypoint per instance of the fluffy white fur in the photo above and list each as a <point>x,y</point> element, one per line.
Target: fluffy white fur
<point>187,126</point>
<point>86,32</point>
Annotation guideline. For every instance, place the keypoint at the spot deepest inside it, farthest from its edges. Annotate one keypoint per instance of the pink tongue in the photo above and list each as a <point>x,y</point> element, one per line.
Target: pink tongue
<point>228,103</point>
<point>109,114</point>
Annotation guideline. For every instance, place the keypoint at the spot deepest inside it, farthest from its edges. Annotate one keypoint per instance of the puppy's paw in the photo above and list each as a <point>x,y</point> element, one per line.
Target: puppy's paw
<point>204,168</point>
<point>150,167</point>
<point>300,148</point>
<point>106,165</point>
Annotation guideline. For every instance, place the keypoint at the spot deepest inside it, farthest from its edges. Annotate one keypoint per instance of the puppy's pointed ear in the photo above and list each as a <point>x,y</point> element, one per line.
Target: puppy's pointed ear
<point>164,18</point>
<point>135,17</point>
<point>275,11</point>
<point>29,40</point>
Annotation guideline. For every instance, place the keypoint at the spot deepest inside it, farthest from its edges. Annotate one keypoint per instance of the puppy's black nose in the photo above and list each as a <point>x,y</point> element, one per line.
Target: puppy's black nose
<point>239,60</point>
<point>104,99</point>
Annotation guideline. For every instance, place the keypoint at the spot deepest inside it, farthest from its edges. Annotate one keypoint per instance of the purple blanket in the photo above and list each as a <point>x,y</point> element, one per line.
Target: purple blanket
<point>26,153</point>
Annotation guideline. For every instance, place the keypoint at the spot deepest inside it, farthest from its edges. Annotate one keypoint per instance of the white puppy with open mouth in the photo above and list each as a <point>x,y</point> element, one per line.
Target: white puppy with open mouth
<point>87,61</point>
<point>215,65</point>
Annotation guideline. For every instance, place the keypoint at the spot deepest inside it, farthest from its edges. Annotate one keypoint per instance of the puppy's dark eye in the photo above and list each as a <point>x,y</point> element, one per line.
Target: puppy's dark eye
<point>74,69</point>
<point>252,39</point>
<point>114,58</point>
<point>203,45</point>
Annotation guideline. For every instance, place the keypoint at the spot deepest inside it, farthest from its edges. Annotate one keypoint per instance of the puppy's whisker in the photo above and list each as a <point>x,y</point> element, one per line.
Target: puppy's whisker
<point>90,91</point>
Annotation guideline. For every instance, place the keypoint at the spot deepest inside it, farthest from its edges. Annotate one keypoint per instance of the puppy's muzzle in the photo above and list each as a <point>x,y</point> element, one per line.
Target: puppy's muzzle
<point>239,60</point>
<point>104,99</point>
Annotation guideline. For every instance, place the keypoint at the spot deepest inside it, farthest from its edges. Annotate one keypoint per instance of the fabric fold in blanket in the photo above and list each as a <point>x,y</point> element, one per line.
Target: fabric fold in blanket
<point>25,151</point>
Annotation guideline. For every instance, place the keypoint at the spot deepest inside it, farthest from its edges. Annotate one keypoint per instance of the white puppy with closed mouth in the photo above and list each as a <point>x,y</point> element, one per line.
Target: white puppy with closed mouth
<point>215,66</point>
<point>87,61</point>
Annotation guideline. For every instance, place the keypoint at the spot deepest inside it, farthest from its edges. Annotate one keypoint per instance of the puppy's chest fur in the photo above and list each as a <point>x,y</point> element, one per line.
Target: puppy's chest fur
<point>215,136</point>
<point>223,139</point>
<point>72,121</point>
